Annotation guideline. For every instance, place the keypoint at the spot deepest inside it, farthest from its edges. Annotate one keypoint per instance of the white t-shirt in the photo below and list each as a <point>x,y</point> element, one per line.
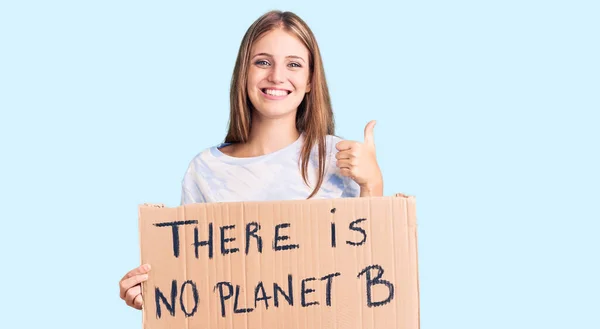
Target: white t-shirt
<point>213,176</point>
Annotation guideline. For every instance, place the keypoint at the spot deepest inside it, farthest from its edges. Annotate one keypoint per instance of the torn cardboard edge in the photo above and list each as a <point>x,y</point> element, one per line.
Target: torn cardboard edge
<point>214,268</point>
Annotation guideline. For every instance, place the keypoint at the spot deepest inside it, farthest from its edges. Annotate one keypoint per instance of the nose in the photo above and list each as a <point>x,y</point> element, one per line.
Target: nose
<point>277,74</point>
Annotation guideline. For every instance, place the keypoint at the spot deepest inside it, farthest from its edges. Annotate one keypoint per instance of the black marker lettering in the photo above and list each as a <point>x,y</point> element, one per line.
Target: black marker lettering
<point>224,240</point>
<point>195,296</point>
<point>208,242</point>
<point>353,227</point>
<point>251,232</point>
<point>222,296</point>
<point>377,280</point>
<point>159,296</point>
<point>264,296</point>
<point>235,304</point>
<point>276,246</point>
<point>333,243</point>
<point>307,291</point>
<point>329,278</point>
<point>289,297</point>
<point>175,228</point>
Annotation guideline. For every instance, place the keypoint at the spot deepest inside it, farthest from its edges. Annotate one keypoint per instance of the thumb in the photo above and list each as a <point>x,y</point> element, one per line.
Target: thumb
<point>369,139</point>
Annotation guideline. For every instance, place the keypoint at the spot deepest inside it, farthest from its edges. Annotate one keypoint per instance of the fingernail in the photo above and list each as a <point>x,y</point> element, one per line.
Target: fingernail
<point>147,267</point>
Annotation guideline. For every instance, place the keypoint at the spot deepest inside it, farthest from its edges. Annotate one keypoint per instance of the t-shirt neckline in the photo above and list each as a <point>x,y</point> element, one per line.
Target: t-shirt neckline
<point>217,153</point>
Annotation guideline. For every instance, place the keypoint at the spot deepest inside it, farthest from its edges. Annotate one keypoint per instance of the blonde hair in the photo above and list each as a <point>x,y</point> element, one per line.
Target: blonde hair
<point>314,117</point>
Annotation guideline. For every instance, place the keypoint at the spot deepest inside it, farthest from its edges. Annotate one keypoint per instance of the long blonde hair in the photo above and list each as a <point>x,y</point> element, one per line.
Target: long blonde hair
<point>314,117</point>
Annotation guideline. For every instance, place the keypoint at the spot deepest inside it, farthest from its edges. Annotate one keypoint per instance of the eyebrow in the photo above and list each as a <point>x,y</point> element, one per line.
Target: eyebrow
<point>290,56</point>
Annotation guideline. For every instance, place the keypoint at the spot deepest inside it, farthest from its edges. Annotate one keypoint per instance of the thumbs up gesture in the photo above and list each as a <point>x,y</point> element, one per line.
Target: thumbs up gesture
<point>359,162</point>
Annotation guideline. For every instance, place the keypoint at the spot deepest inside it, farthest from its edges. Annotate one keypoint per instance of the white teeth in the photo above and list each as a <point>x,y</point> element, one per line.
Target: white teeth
<point>276,92</point>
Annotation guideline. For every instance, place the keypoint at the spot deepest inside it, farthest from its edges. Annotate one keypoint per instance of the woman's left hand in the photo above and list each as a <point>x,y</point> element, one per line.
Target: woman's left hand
<point>359,162</point>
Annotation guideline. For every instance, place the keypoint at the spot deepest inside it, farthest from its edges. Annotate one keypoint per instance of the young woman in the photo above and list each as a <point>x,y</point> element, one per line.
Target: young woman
<point>280,144</point>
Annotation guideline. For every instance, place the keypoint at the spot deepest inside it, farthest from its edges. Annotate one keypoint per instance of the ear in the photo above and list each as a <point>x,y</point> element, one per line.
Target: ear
<point>308,87</point>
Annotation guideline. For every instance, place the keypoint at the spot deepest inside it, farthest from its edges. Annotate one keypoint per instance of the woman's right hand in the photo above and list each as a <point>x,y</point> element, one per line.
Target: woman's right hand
<point>131,288</point>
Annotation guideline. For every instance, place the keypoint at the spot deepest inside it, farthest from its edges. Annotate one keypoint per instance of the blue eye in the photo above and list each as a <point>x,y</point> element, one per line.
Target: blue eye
<point>261,62</point>
<point>295,65</point>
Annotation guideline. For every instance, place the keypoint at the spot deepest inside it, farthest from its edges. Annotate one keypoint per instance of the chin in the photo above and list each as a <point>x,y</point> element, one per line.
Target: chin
<point>274,112</point>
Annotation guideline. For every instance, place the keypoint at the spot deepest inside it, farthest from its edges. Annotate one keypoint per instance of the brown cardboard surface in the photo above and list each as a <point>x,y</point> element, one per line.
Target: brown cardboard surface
<point>351,263</point>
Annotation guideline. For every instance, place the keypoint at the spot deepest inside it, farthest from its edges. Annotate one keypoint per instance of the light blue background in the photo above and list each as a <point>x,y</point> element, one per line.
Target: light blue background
<point>487,112</point>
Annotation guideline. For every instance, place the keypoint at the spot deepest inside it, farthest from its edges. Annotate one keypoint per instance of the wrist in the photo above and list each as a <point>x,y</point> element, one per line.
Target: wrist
<point>372,188</point>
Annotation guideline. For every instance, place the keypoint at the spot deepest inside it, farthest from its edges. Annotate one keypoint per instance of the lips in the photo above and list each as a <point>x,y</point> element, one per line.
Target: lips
<point>276,92</point>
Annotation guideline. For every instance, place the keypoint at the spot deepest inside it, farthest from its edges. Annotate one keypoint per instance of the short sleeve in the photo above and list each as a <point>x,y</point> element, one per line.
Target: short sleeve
<point>190,188</point>
<point>189,197</point>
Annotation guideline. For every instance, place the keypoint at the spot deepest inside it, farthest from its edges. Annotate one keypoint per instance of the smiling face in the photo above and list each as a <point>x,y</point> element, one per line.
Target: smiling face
<point>278,74</point>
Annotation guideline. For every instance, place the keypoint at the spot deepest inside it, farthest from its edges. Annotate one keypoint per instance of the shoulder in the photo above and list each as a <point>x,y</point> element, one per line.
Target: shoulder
<point>332,140</point>
<point>330,143</point>
<point>203,159</point>
<point>201,167</point>
<point>330,150</point>
<point>206,162</point>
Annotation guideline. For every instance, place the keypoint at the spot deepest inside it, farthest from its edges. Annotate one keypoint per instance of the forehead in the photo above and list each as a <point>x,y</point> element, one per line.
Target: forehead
<point>280,43</point>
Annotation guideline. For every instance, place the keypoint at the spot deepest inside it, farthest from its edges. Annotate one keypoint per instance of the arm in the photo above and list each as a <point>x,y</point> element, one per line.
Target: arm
<point>373,189</point>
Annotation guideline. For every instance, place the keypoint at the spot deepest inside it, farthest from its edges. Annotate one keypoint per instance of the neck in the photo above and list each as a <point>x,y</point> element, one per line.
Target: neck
<point>270,135</point>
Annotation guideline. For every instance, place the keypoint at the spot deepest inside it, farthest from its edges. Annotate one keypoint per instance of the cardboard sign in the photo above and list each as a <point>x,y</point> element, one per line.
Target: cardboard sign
<point>340,263</point>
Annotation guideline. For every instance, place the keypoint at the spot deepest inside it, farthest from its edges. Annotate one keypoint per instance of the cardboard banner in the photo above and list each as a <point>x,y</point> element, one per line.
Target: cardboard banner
<point>313,264</point>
